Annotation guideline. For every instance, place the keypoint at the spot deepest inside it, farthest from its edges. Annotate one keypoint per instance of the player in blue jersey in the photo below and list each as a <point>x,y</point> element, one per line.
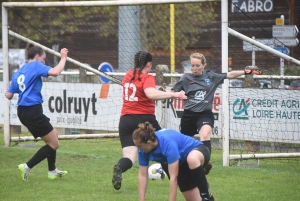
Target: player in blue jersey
<point>184,155</point>
<point>27,82</point>
<point>139,93</point>
<point>200,86</point>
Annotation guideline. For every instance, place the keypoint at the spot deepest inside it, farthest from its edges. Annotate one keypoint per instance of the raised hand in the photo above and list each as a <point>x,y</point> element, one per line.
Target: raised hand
<point>253,71</point>
<point>64,52</point>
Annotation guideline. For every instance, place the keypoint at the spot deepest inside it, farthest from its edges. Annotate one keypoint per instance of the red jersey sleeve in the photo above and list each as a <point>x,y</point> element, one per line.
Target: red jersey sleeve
<point>149,82</point>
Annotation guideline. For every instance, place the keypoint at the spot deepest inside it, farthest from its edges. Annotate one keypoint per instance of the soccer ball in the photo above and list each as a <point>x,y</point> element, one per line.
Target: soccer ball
<point>155,172</point>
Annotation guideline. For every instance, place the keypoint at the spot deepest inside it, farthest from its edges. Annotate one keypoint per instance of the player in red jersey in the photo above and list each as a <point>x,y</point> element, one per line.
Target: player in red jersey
<point>139,93</point>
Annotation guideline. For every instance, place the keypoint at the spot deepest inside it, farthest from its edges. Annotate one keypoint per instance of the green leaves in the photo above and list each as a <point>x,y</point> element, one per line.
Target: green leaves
<point>51,23</point>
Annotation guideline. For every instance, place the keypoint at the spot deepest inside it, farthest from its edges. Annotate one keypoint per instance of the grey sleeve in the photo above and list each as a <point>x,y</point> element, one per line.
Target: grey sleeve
<point>179,85</point>
<point>218,77</point>
<point>221,77</point>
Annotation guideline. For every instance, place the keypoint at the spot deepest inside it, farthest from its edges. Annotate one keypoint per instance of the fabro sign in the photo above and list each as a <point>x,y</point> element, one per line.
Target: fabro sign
<point>252,6</point>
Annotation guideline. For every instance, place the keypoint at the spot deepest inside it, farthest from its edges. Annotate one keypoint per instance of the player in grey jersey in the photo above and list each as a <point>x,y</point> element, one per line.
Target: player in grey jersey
<point>199,87</point>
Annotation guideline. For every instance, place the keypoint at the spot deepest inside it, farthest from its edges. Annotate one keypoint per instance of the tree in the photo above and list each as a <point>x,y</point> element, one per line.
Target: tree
<point>190,19</point>
<point>48,24</point>
<point>31,21</point>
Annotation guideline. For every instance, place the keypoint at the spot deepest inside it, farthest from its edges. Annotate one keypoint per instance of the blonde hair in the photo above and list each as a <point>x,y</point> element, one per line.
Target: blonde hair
<point>199,56</point>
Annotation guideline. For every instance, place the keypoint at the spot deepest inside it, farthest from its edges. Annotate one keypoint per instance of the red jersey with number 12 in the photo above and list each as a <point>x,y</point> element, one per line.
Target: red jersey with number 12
<point>135,100</point>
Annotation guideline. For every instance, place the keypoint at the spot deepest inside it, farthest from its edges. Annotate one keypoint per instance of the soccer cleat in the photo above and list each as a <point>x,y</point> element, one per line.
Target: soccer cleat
<point>24,171</point>
<point>117,176</point>
<point>209,199</point>
<point>210,195</point>
<point>56,173</point>
<point>207,168</point>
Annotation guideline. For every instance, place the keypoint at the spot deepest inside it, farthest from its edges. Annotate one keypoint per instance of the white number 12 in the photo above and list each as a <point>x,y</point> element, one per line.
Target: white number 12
<point>132,96</point>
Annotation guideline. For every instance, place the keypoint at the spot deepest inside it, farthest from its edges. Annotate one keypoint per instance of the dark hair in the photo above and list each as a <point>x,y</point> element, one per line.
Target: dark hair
<point>141,59</point>
<point>144,133</point>
<point>31,51</point>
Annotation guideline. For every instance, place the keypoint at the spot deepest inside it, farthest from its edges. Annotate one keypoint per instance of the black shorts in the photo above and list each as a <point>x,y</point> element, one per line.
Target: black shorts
<point>128,123</point>
<point>33,118</point>
<point>185,179</point>
<point>191,122</point>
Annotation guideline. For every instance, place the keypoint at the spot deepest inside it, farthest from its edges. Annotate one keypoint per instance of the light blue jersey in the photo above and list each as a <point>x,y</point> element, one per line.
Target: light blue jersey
<point>27,82</point>
<point>172,146</point>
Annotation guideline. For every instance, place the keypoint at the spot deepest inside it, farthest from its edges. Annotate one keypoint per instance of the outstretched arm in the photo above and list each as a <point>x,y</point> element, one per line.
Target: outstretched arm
<point>247,71</point>
<point>60,66</point>
<point>155,94</point>
<point>143,181</point>
<point>173,171</point>
<point>234,74</point>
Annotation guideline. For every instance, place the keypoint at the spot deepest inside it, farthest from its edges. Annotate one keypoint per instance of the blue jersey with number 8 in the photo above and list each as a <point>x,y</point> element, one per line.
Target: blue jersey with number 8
<point>27,82</point>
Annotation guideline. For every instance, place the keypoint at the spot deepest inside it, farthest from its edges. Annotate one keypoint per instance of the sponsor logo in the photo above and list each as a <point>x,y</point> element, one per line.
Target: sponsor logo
<point>207,81</point>
<point>240,107</point>
<point>177,105</point>
<point>72,105</point>
<point>199,95</point>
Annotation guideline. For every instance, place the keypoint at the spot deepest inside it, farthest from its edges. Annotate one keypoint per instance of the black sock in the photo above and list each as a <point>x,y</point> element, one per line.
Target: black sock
<point>207,143</point>
<point>40,155</point>
<point>165,167</point>
<point>51,161</point>
<point>199,176</point>
<point>125,163</point>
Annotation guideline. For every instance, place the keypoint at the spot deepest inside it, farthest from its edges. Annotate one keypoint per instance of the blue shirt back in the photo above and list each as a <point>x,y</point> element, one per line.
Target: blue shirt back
<point>172,146</point>
<point>27,82</point>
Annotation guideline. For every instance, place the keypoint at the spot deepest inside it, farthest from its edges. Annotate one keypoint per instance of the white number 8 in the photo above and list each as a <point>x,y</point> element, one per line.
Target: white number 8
<point>132,96</point>
<point>21,80</point>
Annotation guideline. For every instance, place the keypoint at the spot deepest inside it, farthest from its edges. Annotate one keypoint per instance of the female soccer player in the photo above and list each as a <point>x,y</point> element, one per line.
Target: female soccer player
<point>185,157</point>
<point>28,84</point>
<point>139,93</point>
<point>200,86</point>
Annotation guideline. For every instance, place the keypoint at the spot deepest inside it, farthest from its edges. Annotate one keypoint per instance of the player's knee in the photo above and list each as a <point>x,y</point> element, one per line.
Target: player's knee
<point>57,145</point>
<point>54,145</point>
<point>133,160</point>
<point>205,134</point>
<point>193,161</point>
